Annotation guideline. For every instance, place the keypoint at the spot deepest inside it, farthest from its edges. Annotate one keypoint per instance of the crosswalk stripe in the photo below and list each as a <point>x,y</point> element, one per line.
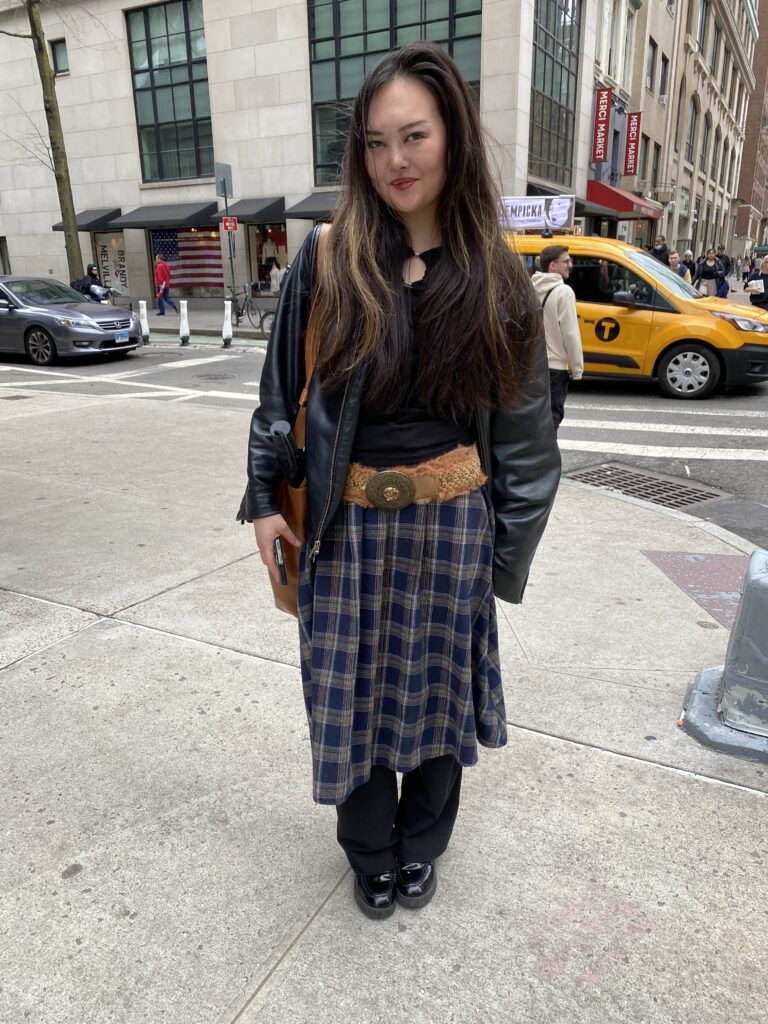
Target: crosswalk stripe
<point>669,408</point>
<point>662,428</point>
<point>659,452</point>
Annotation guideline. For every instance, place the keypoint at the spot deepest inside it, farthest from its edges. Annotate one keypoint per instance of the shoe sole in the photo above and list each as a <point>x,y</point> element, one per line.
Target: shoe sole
<point>415,902</point>
<point>375,913</point>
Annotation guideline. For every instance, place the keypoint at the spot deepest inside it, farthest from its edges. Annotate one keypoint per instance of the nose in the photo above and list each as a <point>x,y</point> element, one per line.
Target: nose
<point>398,157</point>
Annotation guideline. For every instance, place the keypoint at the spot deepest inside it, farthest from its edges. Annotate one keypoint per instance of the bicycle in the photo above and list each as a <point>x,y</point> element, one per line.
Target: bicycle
<point>245,303</point>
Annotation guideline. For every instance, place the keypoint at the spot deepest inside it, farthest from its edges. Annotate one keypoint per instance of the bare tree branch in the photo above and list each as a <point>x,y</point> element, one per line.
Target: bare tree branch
<point>45,158</point>
<point>16,35</point>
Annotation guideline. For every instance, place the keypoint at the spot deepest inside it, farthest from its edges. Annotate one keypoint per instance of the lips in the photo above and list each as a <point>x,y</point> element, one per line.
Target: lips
<point>403,183</point>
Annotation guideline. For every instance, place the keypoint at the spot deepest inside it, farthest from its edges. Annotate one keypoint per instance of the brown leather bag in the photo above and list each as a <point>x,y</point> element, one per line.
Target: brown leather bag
<point>293,502</point>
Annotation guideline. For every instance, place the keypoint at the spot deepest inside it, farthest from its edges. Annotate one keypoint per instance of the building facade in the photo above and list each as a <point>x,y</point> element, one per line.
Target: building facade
<point>156,97</point>
<point>752,213</point>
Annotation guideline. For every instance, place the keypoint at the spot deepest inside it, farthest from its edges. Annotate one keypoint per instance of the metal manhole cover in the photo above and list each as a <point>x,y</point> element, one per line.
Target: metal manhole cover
<point>216,376</point>
<point>640,483</point>
<point>14,398</point>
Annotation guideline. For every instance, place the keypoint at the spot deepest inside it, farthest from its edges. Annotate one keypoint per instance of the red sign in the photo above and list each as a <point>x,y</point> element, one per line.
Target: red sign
<point>229,223</point>
<point>602,118</point>
<point>632,144</point>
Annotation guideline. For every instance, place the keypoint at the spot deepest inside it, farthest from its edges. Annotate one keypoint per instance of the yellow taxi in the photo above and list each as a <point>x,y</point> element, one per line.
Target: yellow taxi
<point>639,319</point>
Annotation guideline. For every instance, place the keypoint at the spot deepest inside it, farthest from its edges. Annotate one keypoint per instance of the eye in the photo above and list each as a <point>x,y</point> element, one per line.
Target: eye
<point>415,136</point>
<point>372,144</point>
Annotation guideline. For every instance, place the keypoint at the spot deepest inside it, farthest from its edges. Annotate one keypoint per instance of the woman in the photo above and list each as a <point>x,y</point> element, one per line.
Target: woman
<point>709,275</point>
<point>688,261</point>
<point>431,361</point>
<point>758,297</point>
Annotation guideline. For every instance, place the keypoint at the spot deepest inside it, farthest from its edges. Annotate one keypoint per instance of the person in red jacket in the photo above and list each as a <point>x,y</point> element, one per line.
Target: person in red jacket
<point>162,285</point>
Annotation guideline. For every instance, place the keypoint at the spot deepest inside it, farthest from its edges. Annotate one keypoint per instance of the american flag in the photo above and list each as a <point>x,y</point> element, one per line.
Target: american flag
<point>192,254</point>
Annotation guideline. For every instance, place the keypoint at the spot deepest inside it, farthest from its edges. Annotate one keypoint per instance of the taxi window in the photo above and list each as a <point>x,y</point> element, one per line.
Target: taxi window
<point>597,280</point>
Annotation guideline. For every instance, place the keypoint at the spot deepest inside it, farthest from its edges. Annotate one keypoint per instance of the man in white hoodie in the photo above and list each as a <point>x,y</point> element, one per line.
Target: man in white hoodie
<point>561,326</point>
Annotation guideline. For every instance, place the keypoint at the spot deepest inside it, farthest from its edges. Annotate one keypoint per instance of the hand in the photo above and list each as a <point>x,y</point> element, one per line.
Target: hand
<point>267,529</point>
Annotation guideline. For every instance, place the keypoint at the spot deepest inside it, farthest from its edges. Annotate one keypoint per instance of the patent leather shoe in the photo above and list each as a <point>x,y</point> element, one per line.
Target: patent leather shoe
<point>416,884</point>
<point>375,894</point>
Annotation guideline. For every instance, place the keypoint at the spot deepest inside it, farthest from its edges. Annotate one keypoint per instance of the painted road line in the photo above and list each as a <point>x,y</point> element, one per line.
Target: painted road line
<point>673,408</point>
<point>251,384</point>
<point>657,452</point>
<point>190,362</point>
<point>663,428</point>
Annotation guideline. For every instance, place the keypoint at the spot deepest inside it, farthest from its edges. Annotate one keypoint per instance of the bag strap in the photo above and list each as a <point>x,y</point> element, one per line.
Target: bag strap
<point>544,300</point>
<point>310,340</point>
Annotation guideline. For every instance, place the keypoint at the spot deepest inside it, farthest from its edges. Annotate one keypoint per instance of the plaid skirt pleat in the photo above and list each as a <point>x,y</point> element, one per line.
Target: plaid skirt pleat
<point>399,645</point>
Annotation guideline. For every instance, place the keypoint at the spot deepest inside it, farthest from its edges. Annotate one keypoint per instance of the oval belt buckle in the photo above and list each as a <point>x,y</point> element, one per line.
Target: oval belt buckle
<point>390,490</point>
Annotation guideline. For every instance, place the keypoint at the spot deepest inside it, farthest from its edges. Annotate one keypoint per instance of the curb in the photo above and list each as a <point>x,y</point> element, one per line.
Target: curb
<point>746,547</point>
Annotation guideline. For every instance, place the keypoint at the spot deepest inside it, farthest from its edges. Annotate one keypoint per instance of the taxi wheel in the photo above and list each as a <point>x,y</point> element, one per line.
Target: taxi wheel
<point>40,347</point>
<point>689,371</point>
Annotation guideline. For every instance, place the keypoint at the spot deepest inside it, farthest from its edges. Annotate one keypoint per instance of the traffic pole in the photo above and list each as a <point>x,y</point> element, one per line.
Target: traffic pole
<point>144,321</point>
<point>226,327</point>
<point>183,323</point>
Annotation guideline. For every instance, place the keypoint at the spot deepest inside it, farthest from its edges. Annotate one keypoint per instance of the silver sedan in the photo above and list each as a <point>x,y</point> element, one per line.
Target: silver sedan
<point>47,319</point>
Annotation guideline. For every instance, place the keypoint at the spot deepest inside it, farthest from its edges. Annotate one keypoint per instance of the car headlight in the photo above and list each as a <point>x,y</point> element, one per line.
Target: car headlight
<point>68,321</point>
<point>742,323</point>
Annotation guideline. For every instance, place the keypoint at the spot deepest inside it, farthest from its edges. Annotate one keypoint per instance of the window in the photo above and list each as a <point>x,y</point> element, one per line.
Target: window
<point>615,37</point>
<point>732,90</point>
<point>557,36</point>
<point>59,58</point>
<point>701,28</point>
<point>725,69</point>
<point>715,155</point>
<point>596,280</point>
<point>705,144</point>
<point>349,37</point>
<point>170,90</point>
<point>650,65</point>
<point>679,121</point>
<point>729,184</point>
<point>664,77</point>
<point>690,141</point>
<point>724,167</point>
<point>656,164</point>
<point>713,53</point>
<point>642,157</point>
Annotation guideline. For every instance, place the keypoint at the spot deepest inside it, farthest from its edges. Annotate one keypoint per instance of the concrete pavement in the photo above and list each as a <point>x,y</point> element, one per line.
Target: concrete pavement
<point>161,858</point>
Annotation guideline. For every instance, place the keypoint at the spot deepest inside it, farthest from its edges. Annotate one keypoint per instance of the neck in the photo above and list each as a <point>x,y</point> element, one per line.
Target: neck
<point>422,229</point>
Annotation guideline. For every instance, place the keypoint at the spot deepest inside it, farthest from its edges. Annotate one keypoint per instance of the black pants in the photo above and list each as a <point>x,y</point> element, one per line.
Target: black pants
<point>558,389</point>
<point>375,830</point>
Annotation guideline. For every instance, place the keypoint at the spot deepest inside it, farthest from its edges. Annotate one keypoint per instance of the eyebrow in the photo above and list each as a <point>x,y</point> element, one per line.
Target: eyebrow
<point>402,128</point>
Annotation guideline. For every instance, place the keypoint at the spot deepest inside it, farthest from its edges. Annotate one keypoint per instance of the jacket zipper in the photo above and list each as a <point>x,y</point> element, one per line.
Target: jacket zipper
<point>316,546</point>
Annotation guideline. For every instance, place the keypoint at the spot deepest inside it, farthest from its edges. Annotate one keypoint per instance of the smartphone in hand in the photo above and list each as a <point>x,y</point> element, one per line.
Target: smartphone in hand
<point>280,562</point>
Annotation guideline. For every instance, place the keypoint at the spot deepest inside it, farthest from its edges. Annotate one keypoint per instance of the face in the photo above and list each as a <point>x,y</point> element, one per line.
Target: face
<point>407,148</point>
<point>674,260</point>
<point>659,241</point>
<point>562,266</point>
<point>710,254</point>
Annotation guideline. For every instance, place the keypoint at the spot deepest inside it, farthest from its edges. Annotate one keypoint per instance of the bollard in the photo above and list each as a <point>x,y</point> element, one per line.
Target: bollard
<point>183,323</point>
<point>144,321</point>
<point>727,707</point>
<point>226,327</point>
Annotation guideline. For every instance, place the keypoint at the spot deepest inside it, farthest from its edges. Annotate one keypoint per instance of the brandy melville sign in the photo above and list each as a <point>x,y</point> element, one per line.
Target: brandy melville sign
<point>537,212</point>
<point>602,117</point>
<point>633,141</point>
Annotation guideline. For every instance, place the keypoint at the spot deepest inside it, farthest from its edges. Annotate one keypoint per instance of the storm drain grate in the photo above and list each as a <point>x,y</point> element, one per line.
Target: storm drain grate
<point>216,376</point>
<point>639,483</point>
<point>14,398</point>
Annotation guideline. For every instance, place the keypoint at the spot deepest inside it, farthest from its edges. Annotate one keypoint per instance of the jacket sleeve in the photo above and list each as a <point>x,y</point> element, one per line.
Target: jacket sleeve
<point>569,325</point>
<point>525,472</point>
<point>282,381</point>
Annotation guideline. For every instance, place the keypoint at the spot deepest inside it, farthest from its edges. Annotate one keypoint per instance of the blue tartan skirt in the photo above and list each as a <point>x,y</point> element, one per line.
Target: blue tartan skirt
<point>399,645</point>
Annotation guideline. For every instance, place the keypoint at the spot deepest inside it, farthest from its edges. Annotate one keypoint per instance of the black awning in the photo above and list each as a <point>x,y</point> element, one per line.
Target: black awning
<point>171,215</point>
<point>317,206</point>
<point>91,220</point>
<point>257,211</point>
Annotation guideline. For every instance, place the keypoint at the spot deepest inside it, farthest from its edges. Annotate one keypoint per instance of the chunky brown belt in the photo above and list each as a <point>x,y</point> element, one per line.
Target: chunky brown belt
<point>440,479</point>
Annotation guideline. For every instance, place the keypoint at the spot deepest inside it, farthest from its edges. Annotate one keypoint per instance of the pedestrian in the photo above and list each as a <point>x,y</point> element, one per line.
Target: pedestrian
<point>561,325</point>
<point>738,266</point>
<point>757,285</point>
<point>688,261</point>
<point>660,250</point>
<point>430,360</point>
<point>709,274</point>
<point>163,285</point>
<point>725,259</point>
<point>678,266</point>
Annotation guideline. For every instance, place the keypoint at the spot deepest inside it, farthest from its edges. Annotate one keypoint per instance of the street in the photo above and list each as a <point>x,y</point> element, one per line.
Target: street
<point>721,442</point>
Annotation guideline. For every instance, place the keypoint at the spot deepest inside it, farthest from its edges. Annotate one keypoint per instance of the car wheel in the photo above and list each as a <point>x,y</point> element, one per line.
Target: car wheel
<point>266,322</point>
<point>40,347</point>
<point>689,371</point>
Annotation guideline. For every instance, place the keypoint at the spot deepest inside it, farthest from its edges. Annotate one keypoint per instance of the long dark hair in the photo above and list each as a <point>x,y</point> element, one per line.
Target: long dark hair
<point>478,310</point>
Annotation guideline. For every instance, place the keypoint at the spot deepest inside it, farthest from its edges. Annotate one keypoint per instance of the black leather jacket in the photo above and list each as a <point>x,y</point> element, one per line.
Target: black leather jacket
<point>518,448</point>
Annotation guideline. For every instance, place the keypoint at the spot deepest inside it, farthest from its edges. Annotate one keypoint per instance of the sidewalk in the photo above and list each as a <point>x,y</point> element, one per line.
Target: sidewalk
<point>162,859</point>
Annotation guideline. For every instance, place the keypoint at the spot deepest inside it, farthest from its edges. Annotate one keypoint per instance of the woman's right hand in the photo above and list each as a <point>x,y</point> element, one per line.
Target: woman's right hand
<point>267,530</point>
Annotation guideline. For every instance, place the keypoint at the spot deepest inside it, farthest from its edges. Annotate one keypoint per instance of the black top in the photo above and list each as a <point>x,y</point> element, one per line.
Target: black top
<point>410,434</point>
